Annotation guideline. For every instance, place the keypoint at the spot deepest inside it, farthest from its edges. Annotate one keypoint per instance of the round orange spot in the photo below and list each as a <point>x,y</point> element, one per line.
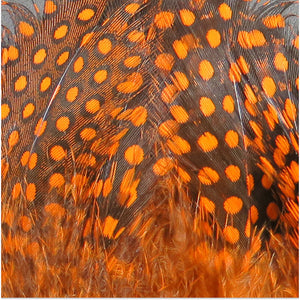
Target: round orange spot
<point>178,145</point>
<point>30,192</point>
<point>104,46</point>
<point>213,37</point>
<point>25,158</point>
<point>164,61</point>
<point>228,104</point>
<point>26,29</point>
<point>187,17</point>
<point>100,76</point>
<point>208,142</point>
<point>248,92</point>
<point>16,190</point>
<point>56,180</point>
<point>163,166</point>
<point>231,234</point>
<point>207,106</point>
<point>269,86</point>
<point>78,64</point>
<point>168,94</point>
<point>273,211</point>
<point>168,128</point>
<point>88,134</point>
<point>138,116</point>
<point>32,161</point>
<point>132,84</point>
<point>180,81</point>
<point>13,53</point>
<point>253,214</point>
<point>233,173</point>
<point>5,110</point>
<point>225,11</point>
<point>266,182</point>
<point>72,94</point>
<point>206,70</point>
<point>232,138</point>
<point>179,113</point>
<point>13,138</point>
<point>274,21</point>
<point>61,32</point>
<point>283,144</point>
<point>25,223</point>
<point>55,210</point>
<point>21,83</point>
<point>45,84</point>
<point>184,176</point>
<point>40,127</point>
<point>132,61</point>
<point>39,56</point>
<point>280,62</point>
<point>244,39</point>
<point>164,19</point>
<point>134,155</point>
<point>28,110</point>
<point>180,49</point>
<point>208,176</point>
<point>136,36</point>
<point>233,205</point>
<point>86,14</point>
<point>279,158</point>
<point>132,8</point>
<point>57,153</point>
<point>290,109</point>
<point>207,204</point>
<point>92,106</point>
<point>63,58</point>
<point>62,124</point>
<point>257,38</point>
<point>49,7</point>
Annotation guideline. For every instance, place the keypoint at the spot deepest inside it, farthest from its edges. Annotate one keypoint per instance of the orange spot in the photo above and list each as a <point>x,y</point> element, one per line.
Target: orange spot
<point>283,144</point>
<point>275,21</point>
<point>257,38</point>
<point>132,8</point>
<point>40,127</point>
<point>234,73</point>
<point>225,11</point>
<point>100,76</point>
<point>78,64</point>
<point>72,94</point>
<point>88,134</point>
<point>134,155</point>
<point>57,153</point>
<point>62,124</point>
<point>250,183</point>
<point>180,49</point>
<point>61,32</point>
<point>228,104</point>
<point>138,116</point>
<point>214,38</point>
<point>279,158</point>
<point>290,109</point>
<point>269,86</point>
<point>168,128</point>
<point>233,205</point>
<point>187,17</point>
<point>180,81</point>
<point>25,223</point>
<point>232,138</point>
<point>296,42</point>
<point>109,226</point>
<point>63,58</point>
<point>178,145</point>
<point>251,108</point>
<point>98,188</point>
<point>280,62</point>
<point>244,67</point>
<point>267,166</point>
<point>164,19</point>
<point>55,210</point>
<point>294,171</point>
<point>256,129</point>
<point>5,110</point>
<point>164,61</point>
<point>49,7</point>
<point>45,84</point>
<point>86,159</point>
<point>25,158</point>
<point>136,36</point>
<point>207,142</point>
<point>168,93</point>
<point>179,113</point>
<point>266,182</point>
<point>20,83</point>
<point>208,176</point>
<point>207,106</point>
<point>294,142</point>
<point>273,211</point>
<point>13,138</point>
<point>86,14</point>
<point>207,204</point>
<point>39,56</point>
<point>206,70</point>
<point>30,192</point>
<point>248,92</point>
<point>32,161</point>
<point>28,110</point>
<point>92,106</point>
<point>185,177</point>
<point>163,166</point>
<point>87,37</point>
<point>132,84</point>
<point>104,46</point>
<point>253,214</point>
<point>133,61</point>
<point>13,53</point>
<point>56,180</point>
<point>4,56</point>
<point>26,29</point>
<point>233,173</point>
<point>231,234</point>
<point>79,180</point>
<point>107,187</point>
<point>16,190</point>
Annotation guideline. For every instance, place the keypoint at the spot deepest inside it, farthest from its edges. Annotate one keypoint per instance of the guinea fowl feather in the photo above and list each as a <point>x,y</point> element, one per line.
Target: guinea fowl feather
<point>150,148</point>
